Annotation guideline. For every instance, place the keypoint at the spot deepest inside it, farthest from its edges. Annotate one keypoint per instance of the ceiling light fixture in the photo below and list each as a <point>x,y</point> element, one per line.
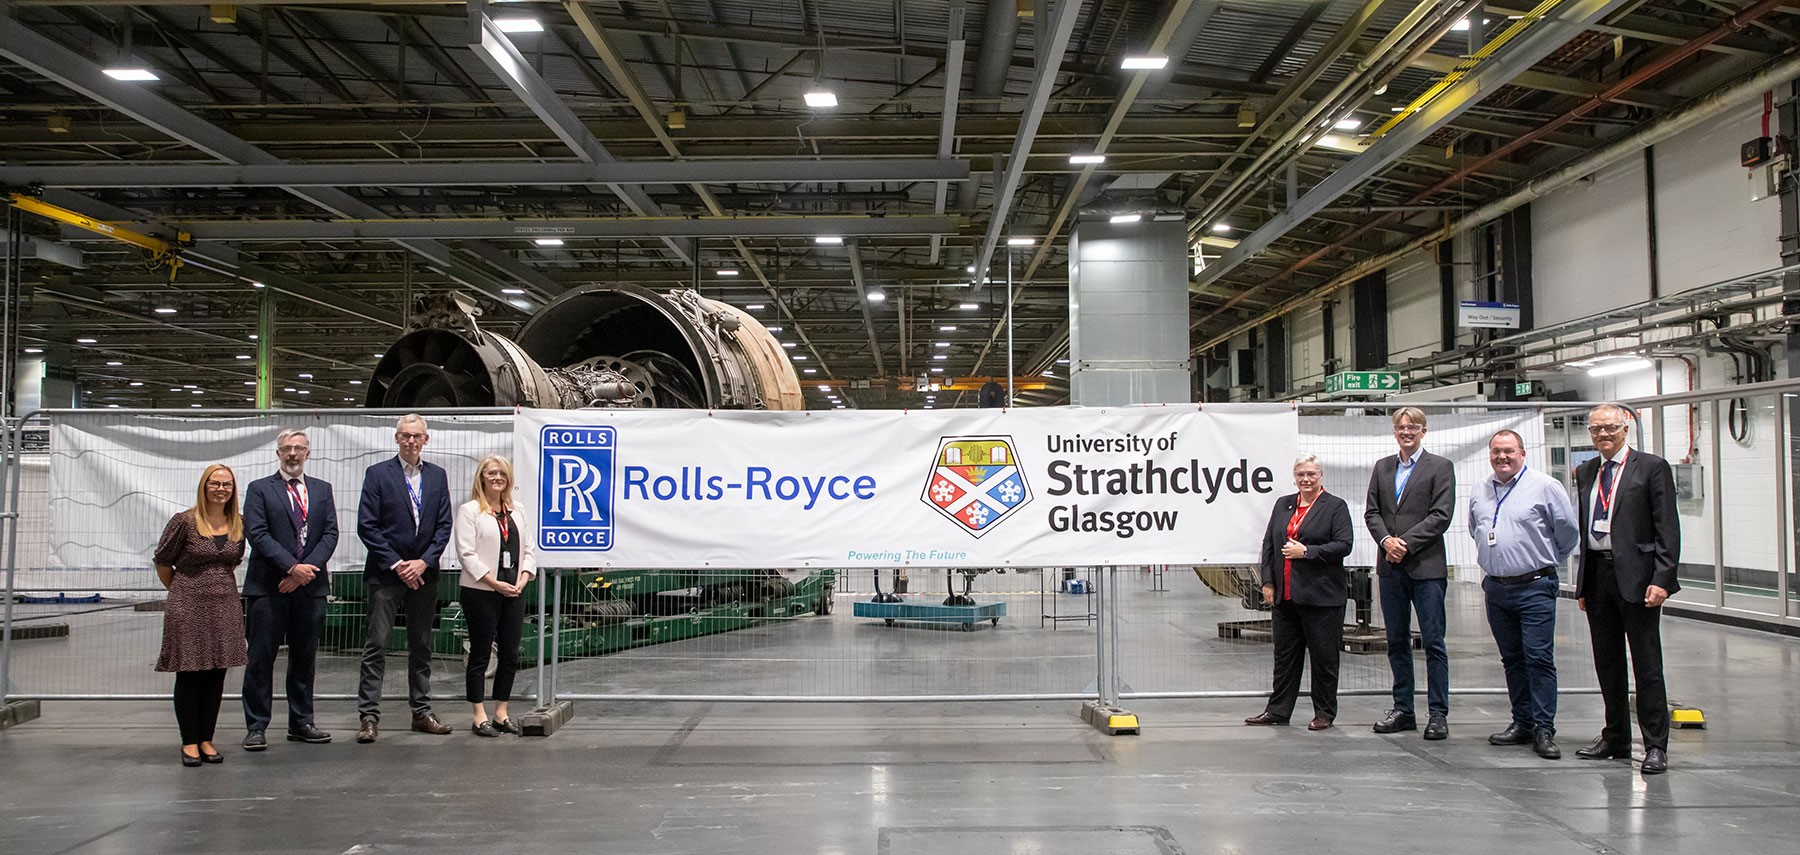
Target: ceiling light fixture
<point>754,306</point>
<point>789,344</point>
<point>947,328</point>
<point>821,98</point>
<point>512,290</point>
<point>1144,63</point>
<point>1221,228</point>
<point>164,310</point>
<point>34,350</point>
<point>728,272</point>
<point>131,75</point>
<point>1624,366</point>
<point>519,25</point>
<point>1125,218</point>
<point>1018,241</point>
<point>1084,159</point>
<point>877,295</point>
<point>86,341</point>
<point>1348,123</point>
<point>548,241</point>
<point>968,306</point>
<point>828,240</point>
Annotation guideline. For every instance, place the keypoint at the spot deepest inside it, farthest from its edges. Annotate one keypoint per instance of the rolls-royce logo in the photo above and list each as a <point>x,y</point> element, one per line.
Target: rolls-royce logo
<point>976,482</point>
<point>576,487</point>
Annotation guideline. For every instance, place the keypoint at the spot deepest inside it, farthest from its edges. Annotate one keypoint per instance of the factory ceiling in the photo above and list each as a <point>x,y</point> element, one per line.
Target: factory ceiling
<point>343,159</point>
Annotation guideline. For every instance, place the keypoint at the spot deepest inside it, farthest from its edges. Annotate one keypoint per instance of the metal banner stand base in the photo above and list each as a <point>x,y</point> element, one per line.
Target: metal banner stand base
<point>544,721</point>
<point>18,712</point>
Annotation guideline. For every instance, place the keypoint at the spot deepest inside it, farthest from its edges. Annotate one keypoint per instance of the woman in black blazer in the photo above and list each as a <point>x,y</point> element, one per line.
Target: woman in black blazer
<point>1303,579</point>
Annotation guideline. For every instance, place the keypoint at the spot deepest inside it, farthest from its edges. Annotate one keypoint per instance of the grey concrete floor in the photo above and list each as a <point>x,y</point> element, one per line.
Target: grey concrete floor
<point>969,777</point>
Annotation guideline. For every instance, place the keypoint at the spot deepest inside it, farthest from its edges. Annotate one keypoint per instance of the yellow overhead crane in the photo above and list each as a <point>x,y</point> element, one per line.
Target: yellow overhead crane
<point>163,254</point>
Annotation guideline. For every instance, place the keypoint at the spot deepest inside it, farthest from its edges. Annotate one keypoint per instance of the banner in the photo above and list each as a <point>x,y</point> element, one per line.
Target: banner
<point>1154,484</point>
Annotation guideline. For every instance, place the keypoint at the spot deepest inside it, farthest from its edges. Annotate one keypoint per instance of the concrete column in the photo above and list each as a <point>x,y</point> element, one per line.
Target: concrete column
<point>1128,313</point>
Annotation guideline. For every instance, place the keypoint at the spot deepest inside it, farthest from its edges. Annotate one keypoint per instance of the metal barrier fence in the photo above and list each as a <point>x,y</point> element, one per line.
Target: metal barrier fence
<point>87,494</point>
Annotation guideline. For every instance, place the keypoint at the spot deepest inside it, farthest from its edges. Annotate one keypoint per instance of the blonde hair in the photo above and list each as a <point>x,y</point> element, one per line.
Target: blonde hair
<point>234,521</point>
<point>1412,414</point>
<point>479,491</point>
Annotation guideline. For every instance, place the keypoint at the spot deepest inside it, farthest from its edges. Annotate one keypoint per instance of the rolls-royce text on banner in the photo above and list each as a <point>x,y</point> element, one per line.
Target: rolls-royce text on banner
<point>1154,484</point>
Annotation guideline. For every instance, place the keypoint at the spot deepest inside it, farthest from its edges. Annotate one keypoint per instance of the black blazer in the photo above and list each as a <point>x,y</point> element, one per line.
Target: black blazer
<point>1420,517</point>
<point>270,530</point>
<point>1319,578</point>
<point>1646,533</point>
<point>384,520</point>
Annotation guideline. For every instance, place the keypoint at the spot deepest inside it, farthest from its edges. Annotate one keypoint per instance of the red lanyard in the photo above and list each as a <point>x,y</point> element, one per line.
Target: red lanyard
<point>505,523</point>
<point>298,502</point>
<point>1299,516</point>
<point>1606,496</point>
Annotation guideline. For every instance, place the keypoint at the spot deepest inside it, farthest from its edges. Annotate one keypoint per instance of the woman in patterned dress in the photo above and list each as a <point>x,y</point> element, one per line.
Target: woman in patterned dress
<point>203,623</point>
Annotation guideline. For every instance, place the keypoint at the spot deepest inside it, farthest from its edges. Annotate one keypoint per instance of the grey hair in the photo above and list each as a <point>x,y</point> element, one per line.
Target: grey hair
<point>290,433</point>
<point>409,418</point>
<point>1307,457</point>
<point>1626,414</point>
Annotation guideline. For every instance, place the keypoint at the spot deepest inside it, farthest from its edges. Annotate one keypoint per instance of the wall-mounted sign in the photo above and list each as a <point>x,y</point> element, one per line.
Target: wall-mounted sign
<point>1471,313</point>
<point>1362,383</point>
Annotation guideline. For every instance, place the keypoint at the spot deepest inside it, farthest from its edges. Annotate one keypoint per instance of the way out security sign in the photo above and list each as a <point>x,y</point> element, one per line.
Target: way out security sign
<point>667,489</point>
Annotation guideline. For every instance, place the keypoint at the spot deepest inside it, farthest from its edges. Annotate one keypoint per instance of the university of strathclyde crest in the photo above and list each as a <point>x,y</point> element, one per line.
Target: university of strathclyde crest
<point>976,482</point>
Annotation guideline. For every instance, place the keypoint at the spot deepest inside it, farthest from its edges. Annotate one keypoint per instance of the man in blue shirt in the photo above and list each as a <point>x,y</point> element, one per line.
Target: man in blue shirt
<point>1524,528</point>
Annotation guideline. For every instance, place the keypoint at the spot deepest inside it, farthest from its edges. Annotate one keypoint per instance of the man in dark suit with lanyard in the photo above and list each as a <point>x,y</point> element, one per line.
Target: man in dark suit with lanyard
<point>1630,544</point>
<point>404,520</point>
<point>290,521</point>
<point>1411,498</point>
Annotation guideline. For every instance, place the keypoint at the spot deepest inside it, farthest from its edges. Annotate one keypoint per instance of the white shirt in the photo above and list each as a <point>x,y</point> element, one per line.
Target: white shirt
<point>1603,542</point>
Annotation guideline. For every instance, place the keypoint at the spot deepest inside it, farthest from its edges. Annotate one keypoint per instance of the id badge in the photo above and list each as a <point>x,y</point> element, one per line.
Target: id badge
<point>1493,538</point>
<point>506,561</point>
<point>1603,526</point>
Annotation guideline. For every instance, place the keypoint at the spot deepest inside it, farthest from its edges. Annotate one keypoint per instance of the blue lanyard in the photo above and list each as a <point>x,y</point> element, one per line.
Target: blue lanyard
<point>1500,500</point>
<point>418,503</point>
<point>1402,474</point>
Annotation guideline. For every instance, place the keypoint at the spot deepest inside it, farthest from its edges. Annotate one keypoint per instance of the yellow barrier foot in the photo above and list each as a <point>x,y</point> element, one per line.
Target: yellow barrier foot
<point>1112,720</point>
<point>1687,717</point>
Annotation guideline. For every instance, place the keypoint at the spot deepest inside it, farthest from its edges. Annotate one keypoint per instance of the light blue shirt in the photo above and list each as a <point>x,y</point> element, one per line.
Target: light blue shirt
<point>1403,470</point>
<point>1535,529</point>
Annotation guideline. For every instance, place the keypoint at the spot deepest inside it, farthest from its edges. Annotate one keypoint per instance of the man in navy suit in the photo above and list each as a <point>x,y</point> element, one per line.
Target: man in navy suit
<point>1630,544</point>
<point>404,520</point>
<point>291,523</point>
<point>1411,497</point>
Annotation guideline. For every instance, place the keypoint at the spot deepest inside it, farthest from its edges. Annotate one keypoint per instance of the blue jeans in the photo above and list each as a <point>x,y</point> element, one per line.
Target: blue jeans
<point>1401,595</point>
<point>1523,618</point>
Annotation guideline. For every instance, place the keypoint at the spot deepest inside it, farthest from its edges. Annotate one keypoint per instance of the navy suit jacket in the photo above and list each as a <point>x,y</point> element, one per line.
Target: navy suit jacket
<point>1646,531</point>
<point>1420,517</point>
<point>384,520</point>
<point>270,529</point>
<point>1319,577</point>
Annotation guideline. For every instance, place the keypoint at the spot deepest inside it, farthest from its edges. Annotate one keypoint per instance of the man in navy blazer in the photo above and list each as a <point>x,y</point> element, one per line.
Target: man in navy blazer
<point>290,521</point>
<point>1411,497</point>
<point>1630,546</point>
<point>404,520</point>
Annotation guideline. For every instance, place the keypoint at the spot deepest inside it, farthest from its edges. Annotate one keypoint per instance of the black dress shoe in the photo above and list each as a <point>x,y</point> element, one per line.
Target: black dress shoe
<point>1396,721</point>
<point>1265,718</point>
<point>211,757</point>
<point>485,728</point>
<point>1656,761</point>
<point>1603,750</point>
<point>1514,734</point>
<point>1544,743</point>
<point>255,741</point>
<point>507,725</point>
<point>1436,727</point>
<point>187,760</point>
<point>309,734</point>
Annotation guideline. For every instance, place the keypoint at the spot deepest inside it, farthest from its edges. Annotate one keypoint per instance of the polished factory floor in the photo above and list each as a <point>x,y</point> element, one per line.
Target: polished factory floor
<point>944,778</point>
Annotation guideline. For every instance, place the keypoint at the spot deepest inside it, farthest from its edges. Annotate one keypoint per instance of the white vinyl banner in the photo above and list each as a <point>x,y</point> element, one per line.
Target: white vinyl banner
<point>1154,484</point>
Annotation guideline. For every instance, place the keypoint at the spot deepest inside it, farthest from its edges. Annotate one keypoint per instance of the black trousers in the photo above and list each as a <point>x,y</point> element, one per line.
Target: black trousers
<point>1614,626</point>
<point>197,695</point>
<point>492,619</point>
<point>385,603</point>
<point>1302,631</point>
<point>298,619</point>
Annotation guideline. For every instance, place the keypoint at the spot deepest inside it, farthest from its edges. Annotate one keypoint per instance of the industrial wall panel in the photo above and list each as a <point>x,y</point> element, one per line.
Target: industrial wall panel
<point>1590,245</point>
<point>1414,298</point>
<point>1708,229</point>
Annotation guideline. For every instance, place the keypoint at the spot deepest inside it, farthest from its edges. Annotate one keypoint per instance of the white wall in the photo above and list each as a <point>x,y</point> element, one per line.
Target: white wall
<point>1589,246</point>
<point>1414,301</point>
<point>1306,348</point>
<point>1708,230</point>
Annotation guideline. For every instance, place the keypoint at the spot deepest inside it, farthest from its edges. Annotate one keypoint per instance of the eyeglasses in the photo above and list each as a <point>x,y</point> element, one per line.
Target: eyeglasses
<point>410,437</point>
<point>294,449</point>
<point>221,485</point>
<point>1607,429</point>
<point>1311,476</point>
<point>1409,428</point>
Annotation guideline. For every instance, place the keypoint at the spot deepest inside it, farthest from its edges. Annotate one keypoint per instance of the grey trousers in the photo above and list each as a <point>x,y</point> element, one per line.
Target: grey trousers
<point>421,609</point>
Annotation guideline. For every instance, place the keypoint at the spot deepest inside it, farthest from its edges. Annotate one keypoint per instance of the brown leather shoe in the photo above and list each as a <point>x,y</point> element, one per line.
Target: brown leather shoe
<point>428,723</point>
<point>1265,719</point>
<point>1319,723</point>
<point>366,734</point>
